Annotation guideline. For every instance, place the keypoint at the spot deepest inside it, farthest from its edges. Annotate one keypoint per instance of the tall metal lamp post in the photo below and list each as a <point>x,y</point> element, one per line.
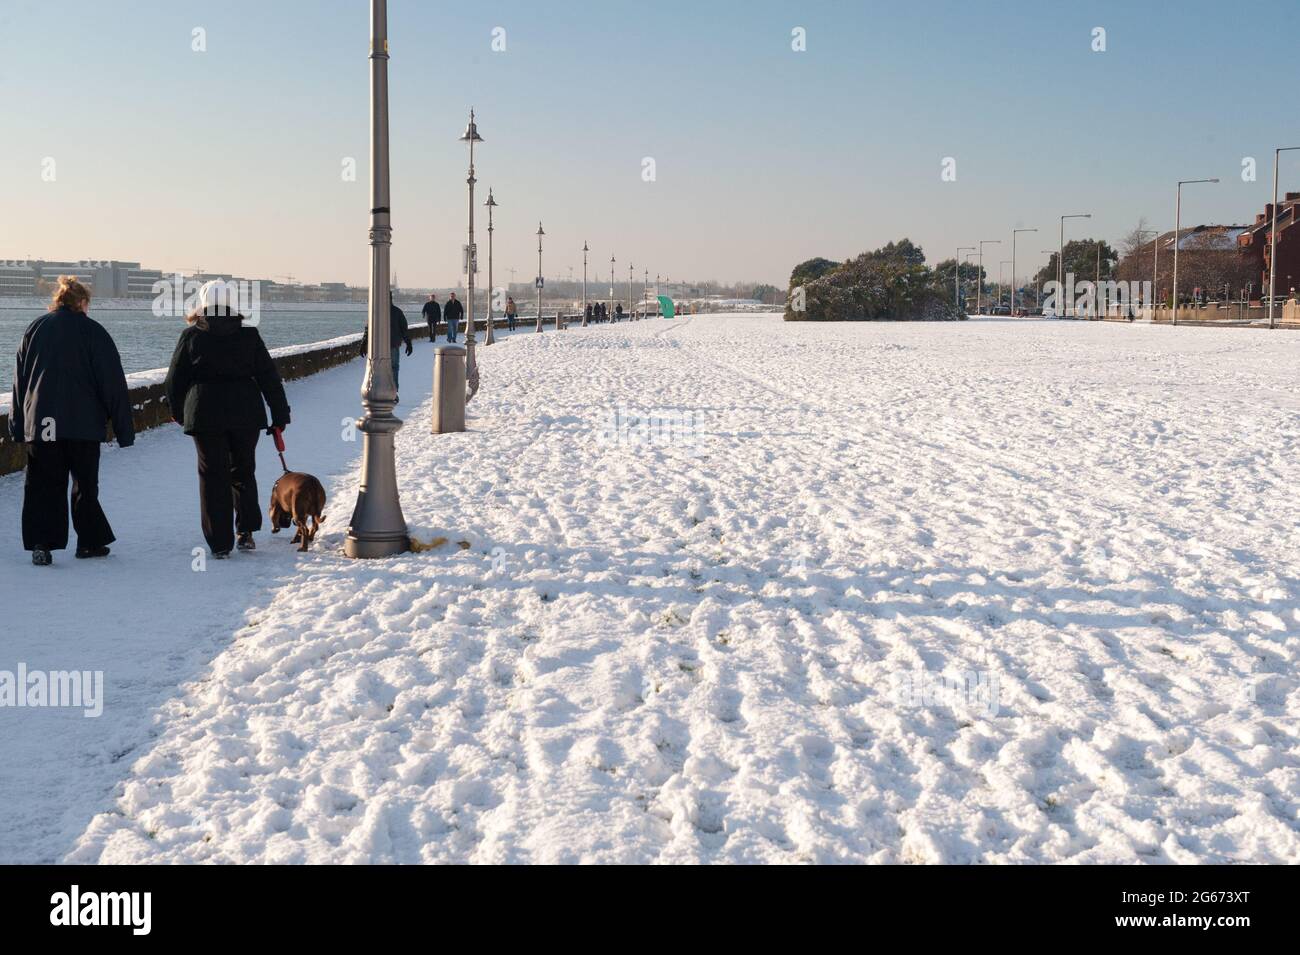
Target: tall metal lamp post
<point>377,527</point>
<point>1060,256</point>
<point>470,136</point>
<point>1272,241</point>
<point>956,278</point>
<point>488,336</point>
<point>611,285</point>
<point>1014,233</point>
<point>540,233</point>
<point>631,311</point>
<point>1178,220</point>
<point>585,250</point>
<point>645,295</point>
<point>979,279</point>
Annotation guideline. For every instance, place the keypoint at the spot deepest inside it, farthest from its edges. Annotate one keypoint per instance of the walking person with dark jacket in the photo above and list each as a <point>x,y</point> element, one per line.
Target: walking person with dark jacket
<point>220,380</point>
<point>398,331</point>
<point>512,313</point>
<point>68,381</point>
<point>432,313</point>
<point>451,314</point>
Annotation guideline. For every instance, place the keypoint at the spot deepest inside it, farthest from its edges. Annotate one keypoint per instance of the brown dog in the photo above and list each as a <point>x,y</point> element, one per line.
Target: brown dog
<point>297,498</point>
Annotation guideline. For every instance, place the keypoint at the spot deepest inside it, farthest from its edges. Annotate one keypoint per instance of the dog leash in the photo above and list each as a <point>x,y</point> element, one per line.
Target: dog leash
<point>278,434</point>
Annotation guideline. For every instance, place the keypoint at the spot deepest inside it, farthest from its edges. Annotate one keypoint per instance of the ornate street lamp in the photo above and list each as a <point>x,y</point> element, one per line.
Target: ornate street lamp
<point>377,527</point>
<point>540,233</point>
<point>611,285</point>
<point>470,136</point>
<point>585,250</point>
<point>489,337</point>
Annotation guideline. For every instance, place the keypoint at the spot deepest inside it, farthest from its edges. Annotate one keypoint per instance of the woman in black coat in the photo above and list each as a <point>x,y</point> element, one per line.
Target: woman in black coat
<point>220,375</point>
<point>68,382</point>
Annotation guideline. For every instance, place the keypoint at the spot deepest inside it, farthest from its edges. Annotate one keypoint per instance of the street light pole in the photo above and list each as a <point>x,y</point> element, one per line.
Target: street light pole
<point>645,295</point>
<point>979,279</point>
<point>1014,233</point>
<point>377,527</point>
<point>470,136</point>
<point>956,278</point>
<point>1272,241</point>
<point>489,337</point>
<point>1060,254</point>
<point>611,286</point>
<point>631,314</point>
<point>1178,222</point>
<point>538,283</point>
<point>585,250</point>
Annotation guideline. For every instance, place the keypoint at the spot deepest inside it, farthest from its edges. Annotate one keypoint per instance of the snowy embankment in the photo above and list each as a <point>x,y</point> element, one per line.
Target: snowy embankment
<point>743,643</point>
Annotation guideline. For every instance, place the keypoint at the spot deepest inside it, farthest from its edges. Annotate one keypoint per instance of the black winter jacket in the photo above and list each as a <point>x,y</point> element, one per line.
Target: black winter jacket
<point>219,377</point>
<point>398,330</point>
<point>432,313</point>
<point>68,381</point>
<point>453,311</point>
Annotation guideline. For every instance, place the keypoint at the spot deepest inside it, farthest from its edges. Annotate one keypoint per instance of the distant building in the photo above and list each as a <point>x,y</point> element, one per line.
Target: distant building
<point>1256,241</point>
<point>17,279</point>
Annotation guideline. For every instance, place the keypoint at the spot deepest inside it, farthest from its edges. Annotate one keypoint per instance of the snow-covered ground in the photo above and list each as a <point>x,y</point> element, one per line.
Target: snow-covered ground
<point>997,591</point>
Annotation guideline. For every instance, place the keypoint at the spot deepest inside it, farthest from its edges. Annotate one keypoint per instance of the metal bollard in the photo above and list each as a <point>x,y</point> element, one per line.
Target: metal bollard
<point>448,388</point>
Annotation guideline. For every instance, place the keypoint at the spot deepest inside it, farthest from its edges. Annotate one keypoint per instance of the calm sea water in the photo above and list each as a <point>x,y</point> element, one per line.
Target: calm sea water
<point>146,342</point>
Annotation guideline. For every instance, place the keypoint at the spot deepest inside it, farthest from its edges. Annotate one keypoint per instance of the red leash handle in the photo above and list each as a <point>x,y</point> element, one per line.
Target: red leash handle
<point>278,435</point>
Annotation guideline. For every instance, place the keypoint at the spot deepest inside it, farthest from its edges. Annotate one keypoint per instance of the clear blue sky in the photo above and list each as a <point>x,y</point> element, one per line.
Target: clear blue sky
<point>231,159</point>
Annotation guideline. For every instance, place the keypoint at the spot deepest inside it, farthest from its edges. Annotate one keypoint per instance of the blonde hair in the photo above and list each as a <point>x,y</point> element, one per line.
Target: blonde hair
<point>70,294</point>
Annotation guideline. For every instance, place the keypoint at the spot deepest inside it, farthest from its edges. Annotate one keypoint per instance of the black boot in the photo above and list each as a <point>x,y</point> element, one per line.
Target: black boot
<point>84,552</point>
<point>41,556</point>
<point>245,541</point>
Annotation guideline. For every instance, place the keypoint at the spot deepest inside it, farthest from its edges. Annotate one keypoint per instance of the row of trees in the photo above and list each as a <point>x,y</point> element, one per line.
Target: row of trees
<point>889,283</point>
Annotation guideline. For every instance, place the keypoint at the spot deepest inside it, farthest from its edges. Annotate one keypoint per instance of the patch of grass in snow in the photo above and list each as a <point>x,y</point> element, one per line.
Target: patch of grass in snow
<point>418,545</point>
<point>671,618</point>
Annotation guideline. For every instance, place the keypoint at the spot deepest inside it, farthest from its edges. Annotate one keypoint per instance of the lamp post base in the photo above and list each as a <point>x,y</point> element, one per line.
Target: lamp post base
<point>370,550</point>
<point>377,528</point>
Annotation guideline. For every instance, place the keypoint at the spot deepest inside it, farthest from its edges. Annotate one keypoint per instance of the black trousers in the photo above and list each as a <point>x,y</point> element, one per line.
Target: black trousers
<point>227,485</point>
<point>45,495</point>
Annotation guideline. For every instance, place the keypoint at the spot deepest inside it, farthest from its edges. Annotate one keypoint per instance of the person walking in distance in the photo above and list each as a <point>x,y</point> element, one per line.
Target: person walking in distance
<point>452,313</point>
<point>68,382</point>
<point>512,313</point>
<point>399,337</point>
<point>432,313</point>
<point>218,385</point>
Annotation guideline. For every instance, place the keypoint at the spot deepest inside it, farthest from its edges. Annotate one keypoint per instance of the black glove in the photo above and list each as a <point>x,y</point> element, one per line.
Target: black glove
<point>409,349</point>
